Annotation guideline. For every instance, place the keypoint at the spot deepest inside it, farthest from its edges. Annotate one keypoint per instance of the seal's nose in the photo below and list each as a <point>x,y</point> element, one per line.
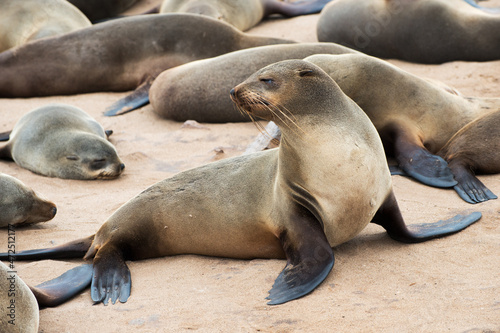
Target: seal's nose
<point>54,211</point>
<point>232,92</point>
<point>122,166</point>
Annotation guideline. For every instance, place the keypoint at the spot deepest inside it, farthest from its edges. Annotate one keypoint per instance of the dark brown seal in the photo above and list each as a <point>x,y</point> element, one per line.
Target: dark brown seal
<point>325,183</point>
<point>424,31</point>
<point>118,55</point>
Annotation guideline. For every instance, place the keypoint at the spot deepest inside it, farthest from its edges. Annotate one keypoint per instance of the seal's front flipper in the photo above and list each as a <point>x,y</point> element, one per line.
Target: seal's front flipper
<point>389,217</point>
<point>470,188</point>
<point>309,259</point>
<point>74,249</point>
<point>416,161</point>
<point>59,290</point>
<point>111,278</point>
<point>139,97</point>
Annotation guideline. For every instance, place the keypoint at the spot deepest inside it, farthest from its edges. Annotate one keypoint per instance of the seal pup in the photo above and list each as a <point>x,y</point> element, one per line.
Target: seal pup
<point>296,201</point>
<point>118,55</point>
<point>242,14</point>
<point>28,20</point>
<point>424,31</point>
<point>171,92</point>
<point>59,140</point>
<point>19,204</point>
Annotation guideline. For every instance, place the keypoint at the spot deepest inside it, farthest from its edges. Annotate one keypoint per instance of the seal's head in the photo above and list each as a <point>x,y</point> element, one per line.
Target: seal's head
<point>88,156</point>
<point>19,204</point>
<point>283,91</point>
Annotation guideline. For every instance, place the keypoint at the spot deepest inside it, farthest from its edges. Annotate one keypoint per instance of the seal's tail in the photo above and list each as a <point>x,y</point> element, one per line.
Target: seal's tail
<point>74,249</point>
<point>59,290</point>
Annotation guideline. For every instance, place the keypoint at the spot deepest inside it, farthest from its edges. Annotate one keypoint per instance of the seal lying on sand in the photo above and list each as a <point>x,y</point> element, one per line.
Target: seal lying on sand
<point>19,204</point>
<point>28,20</point>
<point>118,55</point>
<point>325,183</point>
<point>62,141</point>
<point>242,14</point>
<point>424,31</point>
<point>171,93</point>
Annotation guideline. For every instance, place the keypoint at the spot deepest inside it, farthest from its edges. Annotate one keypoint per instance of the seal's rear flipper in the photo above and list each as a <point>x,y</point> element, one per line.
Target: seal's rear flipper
<point>389,217</point>
<point>309,259</point>
<point>139,97</point>
<point>5,136</point>
<point>59,290</point>
<point>111,278</point>
<point>74,249</point>
<point>469,187</point>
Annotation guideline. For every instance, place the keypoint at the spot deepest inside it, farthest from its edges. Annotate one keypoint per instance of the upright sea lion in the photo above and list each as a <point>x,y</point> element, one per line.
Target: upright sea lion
<point>62,141</point>
<point>19,204</point>
<point>325,183</point>
<point>171,94</point>
<point>118,55</point>
<point>424,31</point>
<point>28,20</point>
<point>242,14</point>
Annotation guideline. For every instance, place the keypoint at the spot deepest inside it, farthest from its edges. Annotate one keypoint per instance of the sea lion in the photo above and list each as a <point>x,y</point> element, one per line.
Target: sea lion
<point>171,92</point>
<point>97,10</point>
<point>59,140</point>
<point>424,31</point>
<point>324,184</point>
<point>27,20</point>
<point>21,302</point>
<point>242,14</point>
<point>118,55</point>
<point>19,204</point>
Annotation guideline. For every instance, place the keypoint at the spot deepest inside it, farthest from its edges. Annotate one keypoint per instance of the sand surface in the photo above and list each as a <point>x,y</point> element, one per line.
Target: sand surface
<point>377,284</point>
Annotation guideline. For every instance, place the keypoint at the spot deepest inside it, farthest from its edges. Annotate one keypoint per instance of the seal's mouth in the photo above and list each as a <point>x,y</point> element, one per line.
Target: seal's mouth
<point>111,174</point>
<point>246,101</point>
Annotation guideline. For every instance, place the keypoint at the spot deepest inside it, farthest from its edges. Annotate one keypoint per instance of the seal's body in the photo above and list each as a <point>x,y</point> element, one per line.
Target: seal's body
<point>424,31</point>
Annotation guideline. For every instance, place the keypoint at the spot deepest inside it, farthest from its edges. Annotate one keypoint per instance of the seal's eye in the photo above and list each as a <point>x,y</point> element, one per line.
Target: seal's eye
<point>72,158</point>
<point>267,81</point>
<point>98,164</point>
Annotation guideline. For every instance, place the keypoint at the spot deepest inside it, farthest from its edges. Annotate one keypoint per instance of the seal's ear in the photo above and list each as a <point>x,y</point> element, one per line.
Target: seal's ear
<point>305,72</point>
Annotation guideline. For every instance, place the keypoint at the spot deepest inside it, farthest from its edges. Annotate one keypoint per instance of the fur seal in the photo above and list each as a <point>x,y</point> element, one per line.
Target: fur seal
<point>19,204</point>
<point>27,20</point>
<point>171,99</point>
<point>296,201</point>
<point>424,31</point>
<point>118,55</point>
<point>242,14</point>
<point>59,140</point>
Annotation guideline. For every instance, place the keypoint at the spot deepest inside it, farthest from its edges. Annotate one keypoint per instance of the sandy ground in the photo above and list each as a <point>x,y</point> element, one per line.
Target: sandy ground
<point>377,284</point>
